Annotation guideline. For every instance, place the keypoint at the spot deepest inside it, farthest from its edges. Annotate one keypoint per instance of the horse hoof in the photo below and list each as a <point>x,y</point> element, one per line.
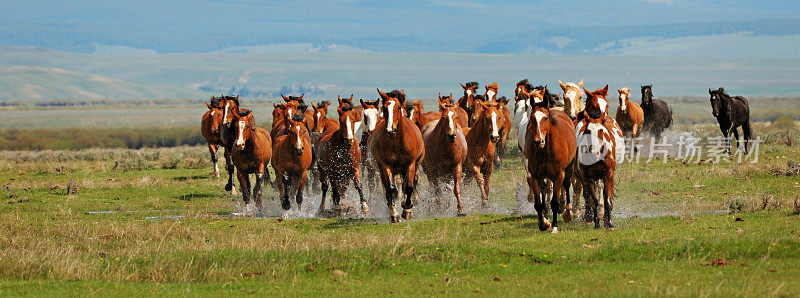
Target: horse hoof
<point>406,214</point>
<point>567,216</point>
<point>461,214</point>
<point>544,225</point>
<point>554,231</point>
<point>228,187</point>
<point>286,205</point>
<point>365,209</point>
<point>393,219</point>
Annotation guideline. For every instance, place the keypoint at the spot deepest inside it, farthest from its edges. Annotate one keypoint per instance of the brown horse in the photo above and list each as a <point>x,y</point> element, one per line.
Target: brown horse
<point>446,149</point>
<point>505,126</point>
<point>291,159</point>
<point>600,141</point>
<point>596,102</point>
<point>230,108</point>
<point>287,111</point>
<point>550,148</point>
<point>481,139</point>
<point>209,127</point>
<point>466,101</point>
<point>322,124</point>
<point>630,116</point>
<point>416,113</point>
<point>251,152</point>
<point>371,115</point>
<point>462,118</point>
<point>397,148</point>
<point>339,160</point>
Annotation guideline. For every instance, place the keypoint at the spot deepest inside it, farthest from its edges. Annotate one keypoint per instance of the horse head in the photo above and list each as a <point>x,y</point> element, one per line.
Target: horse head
<point>371,114</point>
<point>447,98</point>
<point>414,111</point>
<point>393,104</point>
<point>216,114</point>
<point>448,111</point>
<point>295,131</point>
<point>716,99</point>
<point>295,99</point>
<point>491,91</point>
<point>541,123</point>
<point>491,116</point>
<point>230,107</point>
<point>320,114</point>
<point>243,124</point>
<point>469,89</point>
<point>647,95</point>
<point>596,103</point>
<point>572,97</point>
<point>347,120</point>
<point>476,107</point>
<point>594,135</point>
<point>624,98</point>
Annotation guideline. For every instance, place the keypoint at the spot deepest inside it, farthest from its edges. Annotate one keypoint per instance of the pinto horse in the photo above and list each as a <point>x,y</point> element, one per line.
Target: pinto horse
<point>550,149</point>
<point>397,148</point>
<point>481,140</point>
<point>339,160</point>
<point>291,159</point>
<point>600,146</point>
<point>230,108</point>
<point>370,112</point>
<point>657,114</point>
<point>322,124</point>
<point>445,151</point>
<point>731,112</point>
<point>250,153</point>
<point>630,116</point>
<point>572,98</point>
<point>209,127</point>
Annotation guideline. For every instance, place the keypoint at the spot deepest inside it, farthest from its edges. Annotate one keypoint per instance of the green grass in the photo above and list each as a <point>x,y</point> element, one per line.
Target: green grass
<point>51,245</point>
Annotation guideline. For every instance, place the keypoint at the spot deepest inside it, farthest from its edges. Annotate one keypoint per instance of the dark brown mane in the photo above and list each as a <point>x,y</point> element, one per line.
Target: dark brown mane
<point>347,108</point>
<point>216,102</point>
<point>397,94</point>
<point>243,112</point>
<point>470,84</point>
<point>298,117</point>
<point>297,98</point>
<point>302,108</point>
<point>374,102</point>
<point>526,84</point>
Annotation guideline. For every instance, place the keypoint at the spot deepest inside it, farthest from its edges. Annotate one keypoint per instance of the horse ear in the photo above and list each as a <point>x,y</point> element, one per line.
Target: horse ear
<point>605,90</point>
<point>209,106</point>
<point>544,90</point>
<point>462,86</point>
<point>440,97</point>
<point>709,91</point>
<point>383,95</point>
<point>286,99</point>
<point>561,84</point>
<point>313,106</point>
<point>351,98</point>
<point>362,102</point>
<point>451,96</point>
<point>588,93</point>
<point>580,84</point>
<point>339,98</point>
<point>299,98</point>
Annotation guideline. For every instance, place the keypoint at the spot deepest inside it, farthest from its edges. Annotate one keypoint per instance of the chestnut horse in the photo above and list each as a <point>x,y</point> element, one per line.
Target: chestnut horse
<point>322,124</point>
<point>251,152</point>
<point>445,151</point>
<point>465,102</point>
<point>630,116</point>
<point>550,149</point>
<point>230,108</point>
<point>505,126</point>
<point>339,160</point>
<point>287,111</point>
<point>572,98</point>
<point>416,113</point>
<point>397,148</point>
<point>291,159</point>
<point>481,140</point>
<point>461,115</point>
<point>657,114</point>
<point>370,112</point>
<point>209,127</point>
<point>731,112</point>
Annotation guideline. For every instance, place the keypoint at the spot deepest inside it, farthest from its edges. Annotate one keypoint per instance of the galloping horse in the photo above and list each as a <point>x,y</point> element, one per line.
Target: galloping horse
<point>481,139</point>
<point>322,124</point>
<point>291,159</point>
<point>630,116</point>
<point>251,152</point>
<point>731,112</point>
<point>396,145</point>
<point>287,111</point>
<point>209,127</point>
<point>657,114</point>
<point>505,126</point>
<point>445,151</point>
<point>298,101</point>
<point>462,118</point>
<point>339,159</point>
<point>230,108</point>
<point>551,150</point>
<point>600,142</point>
<point>465,102</point>
<point>572,98</point>
<point>372,115</point>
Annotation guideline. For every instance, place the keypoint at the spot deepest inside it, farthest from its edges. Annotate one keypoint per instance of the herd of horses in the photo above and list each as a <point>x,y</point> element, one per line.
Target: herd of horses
<point>567,142</point>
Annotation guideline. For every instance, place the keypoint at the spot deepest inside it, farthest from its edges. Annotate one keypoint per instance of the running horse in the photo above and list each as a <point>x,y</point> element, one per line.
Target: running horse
<point>505,126</point>
<point>550,149</point>
<point>397,148</point>
<point>630,116</point>
<point>251,152</point>
<point>572,98</point>
<point>370,112</point>
<point>657,114</point>
<point>466,101</point>
<point>230,108</point>
<point>291,159</point>
<point>209,127</point>
<point>339,160</point>
<point>731,112</point>
<point>322,124</point>
<point>481,139</point>
<point>445,151</point>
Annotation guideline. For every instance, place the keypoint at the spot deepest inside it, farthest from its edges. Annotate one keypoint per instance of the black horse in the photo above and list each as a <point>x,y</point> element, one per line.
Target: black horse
<point>657,115</point>
<point>731,112</point>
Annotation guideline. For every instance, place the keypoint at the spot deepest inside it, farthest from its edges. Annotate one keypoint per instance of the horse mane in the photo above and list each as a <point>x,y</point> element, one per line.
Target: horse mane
<point>373,102</point>
<point>526,84</point>
<point>244,112</point>
<point>552,119</point>
<point>298,117</point>
<point>302,108</point>
<point>347,108</point>
<point>397,94</point>
<point>297,98</point>
<point>502,99</point>
<point>216,102</point>
<point>720,91</point>
<point>323,103</point>
<point>479,97</point>
<point>470,84</point>
<point>547,98</point>
<point>409,106</point>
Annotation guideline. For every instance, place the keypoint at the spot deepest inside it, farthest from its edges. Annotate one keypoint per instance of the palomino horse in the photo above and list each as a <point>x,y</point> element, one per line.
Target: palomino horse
<point>657,114</point>
<point>339,160</point>
<point>602,142</point>
<point>230,108</point>
<point>291,158</point>
<point>551,150</point>
<point>250,153</point>
<point>731,112</point>
<point>465,102</point>
<point>209,127</point>
<point>445,151</point>
<point>397,148</point>
<point>371,114</point>
<point>481,140</point>
<point>322,124</point>
<point>630,116</point>
<point>572,98</point>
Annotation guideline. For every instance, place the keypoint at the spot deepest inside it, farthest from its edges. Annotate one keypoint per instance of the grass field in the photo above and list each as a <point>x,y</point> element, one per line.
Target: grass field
<point>151,222</point>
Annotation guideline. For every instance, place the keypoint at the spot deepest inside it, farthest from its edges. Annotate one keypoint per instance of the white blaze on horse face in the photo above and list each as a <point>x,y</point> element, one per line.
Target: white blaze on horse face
<point>601,101</point>
<point>371,117</point>
<point>390,116</point>
<point>539,117</point>
<point>299,143</point>
<point>225,113</point>
<point>212,112</point>
<point>289,111</point>
<point>495,134</point>
<point>490,94</point>
<point>349,126</point>
<point>318,117</point>
<point>468,92</point>
<point>622,99</point>
<point>240,139</point>
<point>411,115</point>
<point>450,122</point>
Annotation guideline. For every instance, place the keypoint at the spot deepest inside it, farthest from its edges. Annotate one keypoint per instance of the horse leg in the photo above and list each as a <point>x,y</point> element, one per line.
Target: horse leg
<point>597,205</point>
<point>230,168</point>
<point>391,192</point>
<point>555,201</point>
<point>257,187</point>
<point>336,193</point>
<point>736,136</point>
<point>457,189</point>
<point>567,214</point>
<point>323,180</point>
<point>213,150</point>
<point>357,184</point>
<point>476,172</point>
<point>409,181</point>
<point>608,192</point>
<point>301,185</point>
<point>244,187</point>
<point>534,194</point>
<point>487,176</point>
<point>747,131</point>
<point>286,184</point>
<point>588,208</point>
